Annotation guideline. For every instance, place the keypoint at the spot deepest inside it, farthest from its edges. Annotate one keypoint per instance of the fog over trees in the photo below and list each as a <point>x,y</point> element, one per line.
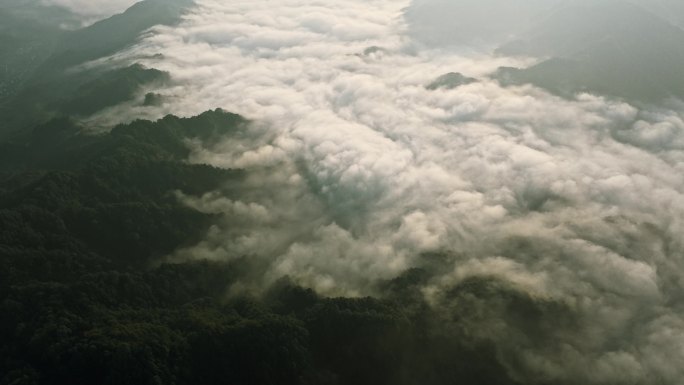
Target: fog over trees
<point>359,192</point>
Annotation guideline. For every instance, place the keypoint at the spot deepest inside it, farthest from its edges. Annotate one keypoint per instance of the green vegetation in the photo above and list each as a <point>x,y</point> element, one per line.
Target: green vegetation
<point>449,81</point>
<point>117,32</point>
<point>24,43</point>
<point>41,72</point>
<point>84,221</point>
<point>112,88</point>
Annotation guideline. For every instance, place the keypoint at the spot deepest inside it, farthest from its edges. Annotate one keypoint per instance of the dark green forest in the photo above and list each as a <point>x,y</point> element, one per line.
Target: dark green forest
<point>85,218</point>
<point>88,216</point>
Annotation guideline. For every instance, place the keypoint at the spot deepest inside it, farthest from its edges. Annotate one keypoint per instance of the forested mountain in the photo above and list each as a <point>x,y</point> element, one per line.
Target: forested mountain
<point>437,192</point>
<point>43,74</point>
<point>25,44</point>
<point>84,221</point>
<point>606,47</point>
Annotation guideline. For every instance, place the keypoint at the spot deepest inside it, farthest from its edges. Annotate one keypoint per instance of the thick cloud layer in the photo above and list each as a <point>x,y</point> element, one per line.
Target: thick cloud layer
<point>356,168</point>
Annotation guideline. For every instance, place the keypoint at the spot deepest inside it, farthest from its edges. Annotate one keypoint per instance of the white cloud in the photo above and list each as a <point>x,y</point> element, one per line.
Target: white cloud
<point>356,168</point>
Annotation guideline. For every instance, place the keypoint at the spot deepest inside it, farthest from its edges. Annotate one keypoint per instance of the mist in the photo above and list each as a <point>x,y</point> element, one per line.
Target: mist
<point>449,23</point>
<point>92,10</point>
<point>571,197</point>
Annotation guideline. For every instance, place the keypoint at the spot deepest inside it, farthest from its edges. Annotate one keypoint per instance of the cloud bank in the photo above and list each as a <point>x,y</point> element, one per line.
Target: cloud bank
<point>356,169</point>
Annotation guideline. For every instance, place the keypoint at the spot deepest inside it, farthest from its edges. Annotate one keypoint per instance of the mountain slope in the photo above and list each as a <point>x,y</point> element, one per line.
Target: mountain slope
<point>611,48</point>
<point>53,76</point>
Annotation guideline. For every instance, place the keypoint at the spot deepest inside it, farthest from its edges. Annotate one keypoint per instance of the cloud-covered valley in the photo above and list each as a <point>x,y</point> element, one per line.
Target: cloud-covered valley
<point>358,171</point>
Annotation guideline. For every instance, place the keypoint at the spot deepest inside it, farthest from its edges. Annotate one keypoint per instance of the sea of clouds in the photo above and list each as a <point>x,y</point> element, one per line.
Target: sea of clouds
<point>356,169</point>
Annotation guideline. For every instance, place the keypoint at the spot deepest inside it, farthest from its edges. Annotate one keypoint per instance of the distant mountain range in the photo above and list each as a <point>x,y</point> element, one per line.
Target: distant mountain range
<point>608,47</point>
<point>40,53</point>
